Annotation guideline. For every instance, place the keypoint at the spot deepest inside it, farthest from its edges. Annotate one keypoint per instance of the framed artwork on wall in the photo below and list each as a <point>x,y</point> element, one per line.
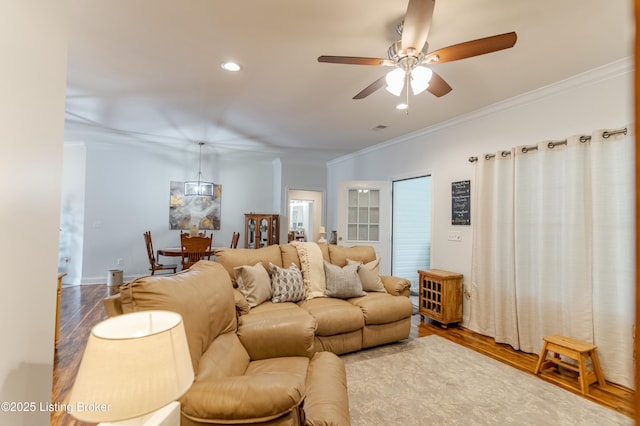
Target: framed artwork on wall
<point>461,203</point>
<point>188,210</point>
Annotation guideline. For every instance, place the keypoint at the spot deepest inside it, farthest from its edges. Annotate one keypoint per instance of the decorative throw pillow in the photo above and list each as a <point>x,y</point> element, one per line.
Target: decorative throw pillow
<point>342,283</point>
<point>369,274</point>
<point>253,283</point>
<point>286,284</point>
<point>311,260</point>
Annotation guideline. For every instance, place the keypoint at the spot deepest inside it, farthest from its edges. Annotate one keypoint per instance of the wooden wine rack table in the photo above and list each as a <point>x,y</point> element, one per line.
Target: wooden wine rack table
<point>440,296</point>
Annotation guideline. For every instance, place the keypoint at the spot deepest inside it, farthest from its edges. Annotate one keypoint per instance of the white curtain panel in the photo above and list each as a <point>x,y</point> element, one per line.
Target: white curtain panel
<point>552,255</point>
<point>493,297</point>
<point>613,209</point>
<point>553,248</point>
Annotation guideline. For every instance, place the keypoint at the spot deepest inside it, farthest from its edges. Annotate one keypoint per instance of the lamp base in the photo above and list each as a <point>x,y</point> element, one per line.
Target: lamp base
<point>169,415</point>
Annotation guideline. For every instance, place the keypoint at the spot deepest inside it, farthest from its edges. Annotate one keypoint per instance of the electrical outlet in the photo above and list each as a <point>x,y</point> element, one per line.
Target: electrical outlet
<point>120,261</point>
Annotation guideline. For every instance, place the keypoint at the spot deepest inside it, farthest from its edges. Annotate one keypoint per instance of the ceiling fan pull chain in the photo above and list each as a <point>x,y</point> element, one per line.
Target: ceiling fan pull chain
<point>406,88</point>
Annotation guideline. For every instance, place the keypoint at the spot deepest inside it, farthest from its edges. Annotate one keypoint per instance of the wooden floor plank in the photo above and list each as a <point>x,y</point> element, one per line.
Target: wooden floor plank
<point>81,309</point>
<point>612,396</point>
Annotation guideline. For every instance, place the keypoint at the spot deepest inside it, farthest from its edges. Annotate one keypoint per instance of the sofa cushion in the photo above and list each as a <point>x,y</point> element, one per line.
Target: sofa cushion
<point>254,283</point>
<point>242,306</point>
<point>225,357</point>
<point>289,255</point>
<point>383,308</point>
<point>343,283</point>
<point>334,316</point>
<point>272,333</point>
<point>286,284</point>
<point>268,390</point>
<point>230,258</point>
<point>311,259</point>
<point>202,294</point>
<point>269,306</point>
<point>369,274</point>
<point>327,400</point>
<point>339,254</point>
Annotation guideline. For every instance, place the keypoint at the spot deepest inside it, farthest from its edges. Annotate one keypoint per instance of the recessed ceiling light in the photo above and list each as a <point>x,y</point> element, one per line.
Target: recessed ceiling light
<point>402,106</point>
<point>230,66</point>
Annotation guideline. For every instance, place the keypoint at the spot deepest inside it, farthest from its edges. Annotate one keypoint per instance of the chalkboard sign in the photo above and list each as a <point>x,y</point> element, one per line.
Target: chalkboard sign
<point>461,203</point>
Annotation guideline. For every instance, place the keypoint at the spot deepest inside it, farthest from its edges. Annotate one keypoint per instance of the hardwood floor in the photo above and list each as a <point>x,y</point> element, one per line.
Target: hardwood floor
<point>612,396</point>
<point>81,308</point>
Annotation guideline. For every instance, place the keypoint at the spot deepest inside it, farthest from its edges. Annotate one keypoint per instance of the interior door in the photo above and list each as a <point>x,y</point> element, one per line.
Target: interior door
<point>364,217</point>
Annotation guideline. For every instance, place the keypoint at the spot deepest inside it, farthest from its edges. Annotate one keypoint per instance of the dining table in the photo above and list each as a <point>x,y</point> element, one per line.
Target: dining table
<point>177,251</point>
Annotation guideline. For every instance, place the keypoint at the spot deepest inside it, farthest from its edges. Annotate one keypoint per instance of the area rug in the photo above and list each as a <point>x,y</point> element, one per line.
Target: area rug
<point>432,381</point>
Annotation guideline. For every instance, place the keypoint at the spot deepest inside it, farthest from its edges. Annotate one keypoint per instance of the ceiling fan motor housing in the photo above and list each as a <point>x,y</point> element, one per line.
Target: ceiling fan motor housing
<point>407,60</point>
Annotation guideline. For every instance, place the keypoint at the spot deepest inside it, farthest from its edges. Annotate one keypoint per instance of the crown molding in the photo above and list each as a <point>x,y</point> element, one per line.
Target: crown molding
<point>614,69</point>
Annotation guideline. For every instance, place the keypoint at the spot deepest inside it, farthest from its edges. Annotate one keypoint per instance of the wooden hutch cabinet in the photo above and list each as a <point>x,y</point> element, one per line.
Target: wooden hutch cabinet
<point>440,296</point>
<point>261,230</point>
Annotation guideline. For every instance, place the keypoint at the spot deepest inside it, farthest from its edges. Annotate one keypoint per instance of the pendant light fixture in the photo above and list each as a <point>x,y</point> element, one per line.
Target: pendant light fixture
<point>199,187</point>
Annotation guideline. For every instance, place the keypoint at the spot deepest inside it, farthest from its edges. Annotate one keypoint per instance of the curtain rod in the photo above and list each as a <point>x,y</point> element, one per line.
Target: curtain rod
<point>552,144</point>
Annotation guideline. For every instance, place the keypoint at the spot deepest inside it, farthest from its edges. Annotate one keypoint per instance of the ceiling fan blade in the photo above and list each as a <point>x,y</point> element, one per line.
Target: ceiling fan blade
<point>378,84</point>
<point>472,48</point>
<point>417,23</point>
<point>437,86</point>
<point>354,60</point>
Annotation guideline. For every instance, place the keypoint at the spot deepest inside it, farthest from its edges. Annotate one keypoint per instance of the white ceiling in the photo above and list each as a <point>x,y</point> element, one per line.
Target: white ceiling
<point>148,71</point>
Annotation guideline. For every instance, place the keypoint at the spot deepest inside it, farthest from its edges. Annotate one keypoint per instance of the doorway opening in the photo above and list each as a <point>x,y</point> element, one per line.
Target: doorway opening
<point>304,209</point>
<point>411,229</point>
<point>301,219</point>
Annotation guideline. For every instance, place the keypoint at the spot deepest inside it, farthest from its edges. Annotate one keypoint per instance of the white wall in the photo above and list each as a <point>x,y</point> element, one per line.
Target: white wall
<point>72,213</point>
<point>602,98</point>
<point>33,53</point>
<point>127,193</point>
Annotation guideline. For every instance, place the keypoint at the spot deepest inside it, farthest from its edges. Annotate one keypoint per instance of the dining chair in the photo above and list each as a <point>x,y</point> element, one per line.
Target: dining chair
<point>194,249</point>
<point>155,266</point>
<point>234,240</point>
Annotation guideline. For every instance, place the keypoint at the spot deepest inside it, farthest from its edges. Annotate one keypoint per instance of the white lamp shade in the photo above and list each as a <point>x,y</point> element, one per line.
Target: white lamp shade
<point>133,365</point>
<point>395,81</point>
<point>322,230</point>
<point>198,188</point>
<point>420,78</point>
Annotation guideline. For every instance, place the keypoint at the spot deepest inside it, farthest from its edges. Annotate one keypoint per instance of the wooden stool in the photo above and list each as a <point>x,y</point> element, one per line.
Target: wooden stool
<point>574,349</point>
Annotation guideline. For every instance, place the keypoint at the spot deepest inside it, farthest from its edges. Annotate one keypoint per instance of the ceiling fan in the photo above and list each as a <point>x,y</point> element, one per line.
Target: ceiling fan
<point>409,55</point>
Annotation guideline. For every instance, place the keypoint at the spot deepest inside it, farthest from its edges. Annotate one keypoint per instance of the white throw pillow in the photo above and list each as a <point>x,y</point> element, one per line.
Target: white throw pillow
<point>369,274</point>
<point>254,283</point>
<point>312,269</point>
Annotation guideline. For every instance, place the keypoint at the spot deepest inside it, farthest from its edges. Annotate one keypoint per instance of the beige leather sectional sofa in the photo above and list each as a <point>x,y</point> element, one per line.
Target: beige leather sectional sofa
<point>344,325</point>
<point>273,363</point>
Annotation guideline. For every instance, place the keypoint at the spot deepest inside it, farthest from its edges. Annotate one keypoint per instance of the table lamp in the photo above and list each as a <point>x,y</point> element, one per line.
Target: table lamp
<point>133,369</point>
<point>323,232</point>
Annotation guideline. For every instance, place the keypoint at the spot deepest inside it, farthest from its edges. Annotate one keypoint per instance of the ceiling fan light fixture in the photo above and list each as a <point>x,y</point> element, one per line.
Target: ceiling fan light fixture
<point>420,78</point>
<point>395,81</point>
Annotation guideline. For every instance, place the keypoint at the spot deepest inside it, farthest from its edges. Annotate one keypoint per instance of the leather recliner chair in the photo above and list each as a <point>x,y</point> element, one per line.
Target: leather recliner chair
<point>269,375</point>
